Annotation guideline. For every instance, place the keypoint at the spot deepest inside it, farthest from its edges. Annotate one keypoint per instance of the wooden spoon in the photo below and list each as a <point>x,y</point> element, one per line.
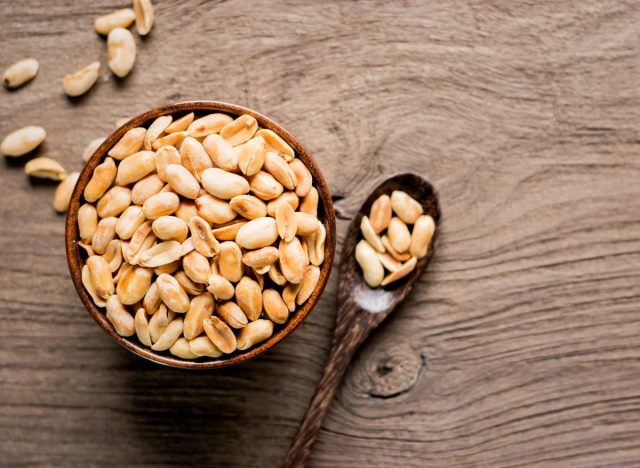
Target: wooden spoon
<point>360,309</point>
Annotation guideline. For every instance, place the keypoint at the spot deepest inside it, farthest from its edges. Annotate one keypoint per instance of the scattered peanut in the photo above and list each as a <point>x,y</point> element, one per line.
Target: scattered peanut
<point>45,168</point>
<point>22,141</point>
<point>117,19</point>
<point>78,83</point>
<point>122,51</point>
<point>20,72</point>
<point>144,16</point>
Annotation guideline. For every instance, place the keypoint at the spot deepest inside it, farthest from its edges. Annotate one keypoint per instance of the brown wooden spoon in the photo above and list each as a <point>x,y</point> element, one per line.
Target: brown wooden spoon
<point>360,309</point>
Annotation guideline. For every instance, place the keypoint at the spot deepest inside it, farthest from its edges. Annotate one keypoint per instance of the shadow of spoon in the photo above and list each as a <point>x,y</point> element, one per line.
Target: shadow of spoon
<point>360,309</point>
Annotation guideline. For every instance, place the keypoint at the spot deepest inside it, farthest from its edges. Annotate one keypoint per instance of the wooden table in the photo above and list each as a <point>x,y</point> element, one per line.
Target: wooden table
<point>520,346</point>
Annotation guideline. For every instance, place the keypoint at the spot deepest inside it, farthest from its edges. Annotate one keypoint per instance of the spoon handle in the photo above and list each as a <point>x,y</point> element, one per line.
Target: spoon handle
<point>353,325</point>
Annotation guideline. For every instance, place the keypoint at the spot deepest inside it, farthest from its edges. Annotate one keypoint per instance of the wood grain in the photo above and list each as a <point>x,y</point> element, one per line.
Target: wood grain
<point>518,347</point>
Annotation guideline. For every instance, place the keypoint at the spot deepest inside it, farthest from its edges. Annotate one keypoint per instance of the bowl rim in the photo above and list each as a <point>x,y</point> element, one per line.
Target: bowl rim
<point>73,251</point>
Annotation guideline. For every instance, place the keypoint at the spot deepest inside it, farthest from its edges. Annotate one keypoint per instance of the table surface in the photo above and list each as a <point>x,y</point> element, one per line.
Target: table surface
<point>519,346</point>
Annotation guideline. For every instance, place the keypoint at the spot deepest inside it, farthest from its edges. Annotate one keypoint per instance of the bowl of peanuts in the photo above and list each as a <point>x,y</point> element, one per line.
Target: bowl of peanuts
<point>200,234</point>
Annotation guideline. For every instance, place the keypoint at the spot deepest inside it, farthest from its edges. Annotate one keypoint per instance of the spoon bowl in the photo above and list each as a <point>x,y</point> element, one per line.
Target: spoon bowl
<point>351,285</point>
<point>360,308</point>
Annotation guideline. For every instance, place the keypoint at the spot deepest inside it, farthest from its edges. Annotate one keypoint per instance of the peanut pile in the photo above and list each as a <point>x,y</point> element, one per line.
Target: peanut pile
<point>200,234</point>
<point>399,249</point>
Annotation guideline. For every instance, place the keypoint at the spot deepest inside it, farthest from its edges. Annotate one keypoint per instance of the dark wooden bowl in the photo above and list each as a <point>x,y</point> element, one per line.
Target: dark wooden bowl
<point>325,213</point>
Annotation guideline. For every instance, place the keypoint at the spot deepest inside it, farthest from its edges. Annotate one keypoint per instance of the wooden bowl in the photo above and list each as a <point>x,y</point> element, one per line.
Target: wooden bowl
<point>325,213</point>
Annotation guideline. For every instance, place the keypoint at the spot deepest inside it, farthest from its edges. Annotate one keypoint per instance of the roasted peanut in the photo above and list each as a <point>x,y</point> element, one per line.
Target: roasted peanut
<point>161,204</point>
<point>380,215</point>
<point>20,72</point>
<point>103,177</point>
<point>230,261</point>
<point>254,333</point>
<point>276,144</point>
<point>220,334</point>
<point>87,221</point>
<point>133,285</point>
<point>200,309</point>
<point>274,306</point>
<point>265,186</point>
<point>399,235</point>
<point>208,124</point>
<point>22,141</point>
<point>407,208</point>
<point>122,51</point>
<point>248,206</point>
<point>249,297</point>
<point>114,202</point>
<point>423,231</point>
<point>293,260</point>
<point>257,233</point>
<point>252,156</point>
<point>221,153</point>
<point>78,83</point>
<point>172,294</point>
<point>194,158</point>
<point>62,195</point>
<point>180,124</point>
<point>130,143</point>
<point>232,314</point>
<point>144,16</point>
<point>368,260</point>
<point>119,317</point>
<point>117,19</point>
<point>240,130</point>
<point>406,268</point>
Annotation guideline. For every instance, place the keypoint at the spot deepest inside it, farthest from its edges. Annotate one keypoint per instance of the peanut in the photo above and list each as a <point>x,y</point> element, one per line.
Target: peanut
<point>22,141</point>
<point>20,72</point>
